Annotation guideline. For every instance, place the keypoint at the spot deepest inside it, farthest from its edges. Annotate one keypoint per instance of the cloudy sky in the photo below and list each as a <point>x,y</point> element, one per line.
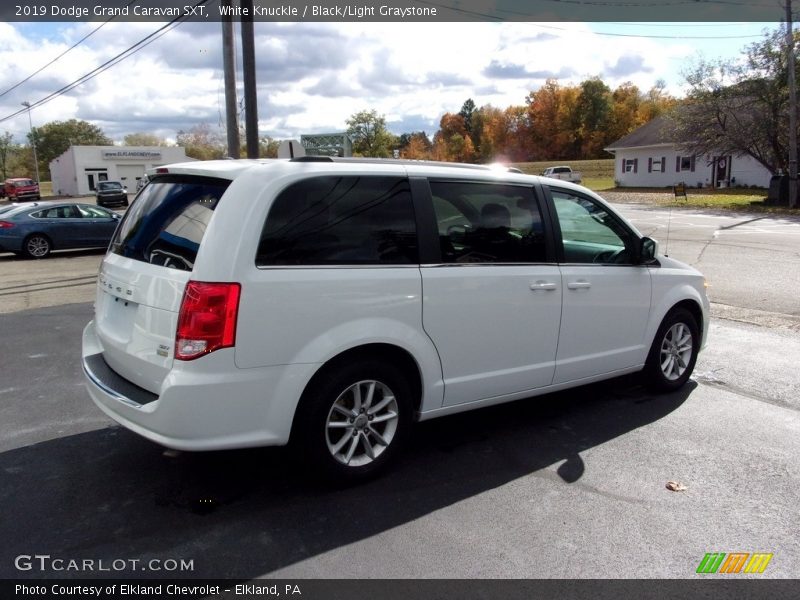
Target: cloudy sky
<point>312,76</point>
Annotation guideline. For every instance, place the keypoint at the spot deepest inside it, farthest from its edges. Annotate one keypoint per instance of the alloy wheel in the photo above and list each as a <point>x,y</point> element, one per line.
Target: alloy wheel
<point>362,423</point>
<point>676,351</point>
<point>37,246</point>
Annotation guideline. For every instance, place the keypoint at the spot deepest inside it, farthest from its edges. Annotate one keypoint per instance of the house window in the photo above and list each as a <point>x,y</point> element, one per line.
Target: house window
<point>656,165</point>
<point>630,165</point>
<point>684,163</point>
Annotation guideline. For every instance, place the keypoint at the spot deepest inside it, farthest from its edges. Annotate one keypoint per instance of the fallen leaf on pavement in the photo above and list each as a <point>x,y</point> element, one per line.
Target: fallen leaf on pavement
<point>676,486</point>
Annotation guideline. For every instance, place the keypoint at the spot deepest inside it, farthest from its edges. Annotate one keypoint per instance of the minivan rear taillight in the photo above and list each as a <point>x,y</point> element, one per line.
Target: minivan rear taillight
<point>207,320</point>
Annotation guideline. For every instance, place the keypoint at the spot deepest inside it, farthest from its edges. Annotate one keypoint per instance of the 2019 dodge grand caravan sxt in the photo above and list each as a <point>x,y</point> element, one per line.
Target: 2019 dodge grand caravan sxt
<point>331,303</point>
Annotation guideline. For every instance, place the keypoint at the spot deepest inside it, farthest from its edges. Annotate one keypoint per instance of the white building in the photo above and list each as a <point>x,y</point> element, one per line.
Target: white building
<point>651,157</point>
<point>77,171</point>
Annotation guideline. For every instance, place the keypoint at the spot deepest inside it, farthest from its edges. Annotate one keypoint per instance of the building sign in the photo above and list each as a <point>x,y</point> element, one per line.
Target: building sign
<point>131,154</point>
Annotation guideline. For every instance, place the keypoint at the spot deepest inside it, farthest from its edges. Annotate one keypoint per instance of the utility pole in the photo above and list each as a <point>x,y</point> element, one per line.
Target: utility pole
<point>790,63</point>
<point>249,68</point>
<point>33,140</point>
<point>229,66</point>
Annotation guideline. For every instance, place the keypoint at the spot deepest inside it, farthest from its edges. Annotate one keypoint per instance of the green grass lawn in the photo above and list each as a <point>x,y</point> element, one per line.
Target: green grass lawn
<point>744,199</point>
<point>601,168</point>
<point>597,174</point>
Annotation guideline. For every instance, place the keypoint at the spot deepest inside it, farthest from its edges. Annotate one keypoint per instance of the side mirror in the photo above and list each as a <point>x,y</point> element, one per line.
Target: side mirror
<point>648,250</point>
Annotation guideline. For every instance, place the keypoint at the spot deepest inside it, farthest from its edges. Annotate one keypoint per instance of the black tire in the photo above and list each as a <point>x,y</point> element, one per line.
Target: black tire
<point>316,441</point>
<point>37,245</point>
<point>662,374</point>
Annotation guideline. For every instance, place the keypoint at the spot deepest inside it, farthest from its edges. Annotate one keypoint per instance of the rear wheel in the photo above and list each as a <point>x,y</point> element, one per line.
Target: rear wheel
<point>353,421</point>
<point>674,352</point>
<point>36,246</point>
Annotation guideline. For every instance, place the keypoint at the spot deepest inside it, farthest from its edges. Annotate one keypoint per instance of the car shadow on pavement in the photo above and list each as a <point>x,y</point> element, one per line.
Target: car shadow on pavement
<point>109,494</point>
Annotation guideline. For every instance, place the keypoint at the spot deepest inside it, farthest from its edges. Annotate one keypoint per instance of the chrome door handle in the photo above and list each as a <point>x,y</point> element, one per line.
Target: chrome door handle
<point>579,285</point>
<point>543,285</point>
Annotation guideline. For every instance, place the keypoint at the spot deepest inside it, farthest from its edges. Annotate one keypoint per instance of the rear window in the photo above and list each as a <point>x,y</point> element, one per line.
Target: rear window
<point>166,223</point>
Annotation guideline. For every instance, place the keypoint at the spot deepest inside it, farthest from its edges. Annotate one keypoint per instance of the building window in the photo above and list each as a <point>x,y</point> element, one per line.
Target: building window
<point>684,163</point>
<point>630,165</point>
<point>656,165</point>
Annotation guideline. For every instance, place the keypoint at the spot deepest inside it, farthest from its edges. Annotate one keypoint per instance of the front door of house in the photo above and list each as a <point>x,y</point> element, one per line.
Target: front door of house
<point>722,169</point>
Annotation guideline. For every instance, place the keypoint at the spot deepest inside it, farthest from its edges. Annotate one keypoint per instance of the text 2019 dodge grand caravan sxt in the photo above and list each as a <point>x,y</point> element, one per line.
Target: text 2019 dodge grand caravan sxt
<point>333,302</point>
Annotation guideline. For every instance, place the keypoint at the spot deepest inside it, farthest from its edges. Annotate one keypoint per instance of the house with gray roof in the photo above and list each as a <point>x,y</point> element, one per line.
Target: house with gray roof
<point>651,156</point>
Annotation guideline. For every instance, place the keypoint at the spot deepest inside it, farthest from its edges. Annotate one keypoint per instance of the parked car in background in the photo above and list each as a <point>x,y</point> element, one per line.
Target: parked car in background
<point>111,193</point>
<point>330,303</point>
<point>34,230</point>
<point>21,188</point>
<point>563,173</point>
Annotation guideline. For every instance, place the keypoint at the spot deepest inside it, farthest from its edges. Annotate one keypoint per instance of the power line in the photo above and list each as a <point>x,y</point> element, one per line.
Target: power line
<point>594,3</point>
<point>75,45</point>
<point>130,51</point>
<point>683,25</point>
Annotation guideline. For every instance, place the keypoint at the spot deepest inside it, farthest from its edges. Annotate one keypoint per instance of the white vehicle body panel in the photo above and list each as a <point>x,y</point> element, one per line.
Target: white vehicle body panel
<point>501,338</point>
<point>603,321</point>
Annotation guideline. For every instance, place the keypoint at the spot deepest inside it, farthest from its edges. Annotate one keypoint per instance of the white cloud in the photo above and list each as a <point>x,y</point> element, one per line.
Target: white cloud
<point>313,76</point>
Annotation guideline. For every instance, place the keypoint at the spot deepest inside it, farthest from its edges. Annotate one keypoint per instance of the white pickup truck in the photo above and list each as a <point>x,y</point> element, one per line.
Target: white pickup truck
<point>562,172</point>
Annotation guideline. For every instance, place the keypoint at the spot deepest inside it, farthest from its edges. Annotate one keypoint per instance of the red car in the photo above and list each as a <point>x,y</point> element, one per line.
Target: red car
<point>21,188</point>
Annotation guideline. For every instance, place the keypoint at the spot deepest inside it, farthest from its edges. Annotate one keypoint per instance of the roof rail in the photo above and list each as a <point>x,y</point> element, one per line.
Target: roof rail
<point>396,161</point>
<point>311,159</point>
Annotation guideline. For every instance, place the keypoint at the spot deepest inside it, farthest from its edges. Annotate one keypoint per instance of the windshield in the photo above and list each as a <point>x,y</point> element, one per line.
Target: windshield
<point>167,222</point>
<point>109,185</point>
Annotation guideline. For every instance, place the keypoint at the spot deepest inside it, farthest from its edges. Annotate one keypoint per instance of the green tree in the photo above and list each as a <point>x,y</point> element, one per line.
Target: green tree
<point>467,111</point>
<point>202,142</point>
<point>594,108</point>
<point>54,138</point>
<point>268,147</point>
<point>8,151</point>
<point>369,134</point>
<point>739,107</point>
<point>144,139</point>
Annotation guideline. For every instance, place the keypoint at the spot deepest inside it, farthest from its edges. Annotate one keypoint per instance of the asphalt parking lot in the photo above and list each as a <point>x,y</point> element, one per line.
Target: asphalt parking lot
<point>567,485</point>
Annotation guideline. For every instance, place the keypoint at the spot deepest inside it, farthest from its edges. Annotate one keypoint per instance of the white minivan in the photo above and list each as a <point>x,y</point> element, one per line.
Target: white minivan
<point>330,303</point>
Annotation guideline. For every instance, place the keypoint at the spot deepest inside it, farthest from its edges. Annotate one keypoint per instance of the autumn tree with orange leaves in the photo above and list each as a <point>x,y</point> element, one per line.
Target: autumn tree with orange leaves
<point>557,122</point>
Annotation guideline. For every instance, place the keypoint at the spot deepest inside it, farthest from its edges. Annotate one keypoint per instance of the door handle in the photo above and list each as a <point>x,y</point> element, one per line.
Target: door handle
<point>579,285</point>
<point>543,285</point>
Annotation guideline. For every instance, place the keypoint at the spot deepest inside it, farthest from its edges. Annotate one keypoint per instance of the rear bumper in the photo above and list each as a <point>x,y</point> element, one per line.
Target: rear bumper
<point>206,404</point>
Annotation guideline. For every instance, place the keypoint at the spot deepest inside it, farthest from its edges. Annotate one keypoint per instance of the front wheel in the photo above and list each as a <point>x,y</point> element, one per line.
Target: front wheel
<point>674,352</point>
<point>353,422</point>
